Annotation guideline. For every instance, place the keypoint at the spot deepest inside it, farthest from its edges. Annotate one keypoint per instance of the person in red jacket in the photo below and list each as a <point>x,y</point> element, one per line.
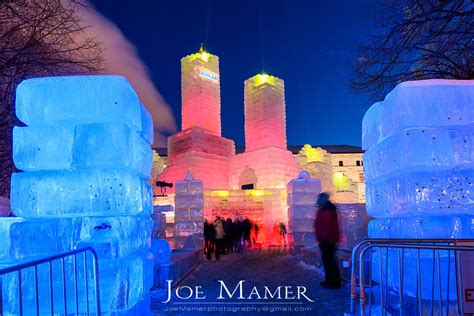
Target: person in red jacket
<point>327,234</point>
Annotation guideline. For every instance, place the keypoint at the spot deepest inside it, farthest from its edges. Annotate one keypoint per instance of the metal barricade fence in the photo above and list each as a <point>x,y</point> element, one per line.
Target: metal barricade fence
<point>20,275</point>
<point>365,250</point>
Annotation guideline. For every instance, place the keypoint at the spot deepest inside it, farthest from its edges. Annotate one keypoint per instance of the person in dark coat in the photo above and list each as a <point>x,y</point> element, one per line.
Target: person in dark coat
<point>209,238</point>
<point>238,235</point>
<point>229,236</point>
<point>283,233</point>
<point>255,233</point>
<point>246,229</point>
<point>327,234</point>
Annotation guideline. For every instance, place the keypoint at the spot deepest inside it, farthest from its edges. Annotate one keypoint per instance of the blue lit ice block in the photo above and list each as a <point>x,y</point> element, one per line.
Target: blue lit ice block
<point>121,283</point>
<point>111,146</point>
<point>111,237</point>
<point>429,103</point>
<point>5,246</point>
<point>411,150</point>
<point>422,193</point>
<point>148,131</point>
<point>423,227</point>
<point>79,193</point>
<point>116,237</point>
<point>42,147</point>
<point>85,146</point>
<point>462,139</point>
<point>371,132</point>
<point>74,100</point>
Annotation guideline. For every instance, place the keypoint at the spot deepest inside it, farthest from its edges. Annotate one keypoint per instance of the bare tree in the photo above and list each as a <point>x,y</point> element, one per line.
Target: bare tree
<point>414,40</point>
<point>37,38</point>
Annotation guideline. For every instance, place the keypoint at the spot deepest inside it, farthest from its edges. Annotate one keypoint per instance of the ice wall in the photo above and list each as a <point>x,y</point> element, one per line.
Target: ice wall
<point>189,209</point>
<point>86,156</point>
<point>419,164</point>
<point>302,196</point>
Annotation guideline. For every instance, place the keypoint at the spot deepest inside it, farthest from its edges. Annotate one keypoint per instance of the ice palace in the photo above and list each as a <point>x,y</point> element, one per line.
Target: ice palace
<point>252,183</point>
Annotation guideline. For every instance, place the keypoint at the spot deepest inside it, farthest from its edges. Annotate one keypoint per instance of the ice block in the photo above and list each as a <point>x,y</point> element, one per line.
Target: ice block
<point>424,149</point>
<point>148,131</point>
<point>301,199</point>
<point>441,226</point>
<point>111,146</point>
<point>428,103</point>
<point>73,100</point>
<point>111,237</point>
<point>42,147</point>
<point>462,139</point>
<point>371,124</point>
<point>85,146</point>
<point>422,193</point>
<point>79,193</point>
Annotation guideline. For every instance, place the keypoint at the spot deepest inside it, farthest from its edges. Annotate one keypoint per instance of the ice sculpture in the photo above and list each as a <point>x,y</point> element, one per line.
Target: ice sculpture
<point>86,156</point>
<point>302,196</point>
<point>419,167</point>
<point>189,209</point>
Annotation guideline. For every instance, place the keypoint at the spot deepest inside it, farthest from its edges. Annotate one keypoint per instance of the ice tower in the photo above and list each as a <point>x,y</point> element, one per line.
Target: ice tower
<point>265,118</point>
<point>266,164</point>
<point>199,147</point>
<point>266,155</point>
<point>201,92</point>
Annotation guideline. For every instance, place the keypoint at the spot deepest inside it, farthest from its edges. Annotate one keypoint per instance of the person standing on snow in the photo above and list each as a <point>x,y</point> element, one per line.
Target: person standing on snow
<point>327,234</point>
<point>219,237</point>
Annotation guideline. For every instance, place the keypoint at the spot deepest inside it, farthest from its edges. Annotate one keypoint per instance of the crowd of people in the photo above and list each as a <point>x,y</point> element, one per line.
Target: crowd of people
<point>227,236</point>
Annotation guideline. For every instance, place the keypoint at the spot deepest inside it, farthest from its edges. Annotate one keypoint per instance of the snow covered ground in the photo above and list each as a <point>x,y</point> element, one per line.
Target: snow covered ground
<point>259,270</point>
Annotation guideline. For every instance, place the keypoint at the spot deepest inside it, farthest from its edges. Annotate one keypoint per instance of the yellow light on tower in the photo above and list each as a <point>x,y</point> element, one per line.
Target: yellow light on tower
<point>262,78</point>
<point>204,56</point>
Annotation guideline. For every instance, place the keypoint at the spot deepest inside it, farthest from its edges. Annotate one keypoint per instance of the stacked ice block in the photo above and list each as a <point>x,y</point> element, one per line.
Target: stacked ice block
<point>86,155</point>
<point>189,209</point>
<point>419,166</point>
<point>302,196</point>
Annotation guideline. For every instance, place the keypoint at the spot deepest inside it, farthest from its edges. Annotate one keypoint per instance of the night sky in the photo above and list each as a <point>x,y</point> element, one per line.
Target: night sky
<point>309,44</point>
